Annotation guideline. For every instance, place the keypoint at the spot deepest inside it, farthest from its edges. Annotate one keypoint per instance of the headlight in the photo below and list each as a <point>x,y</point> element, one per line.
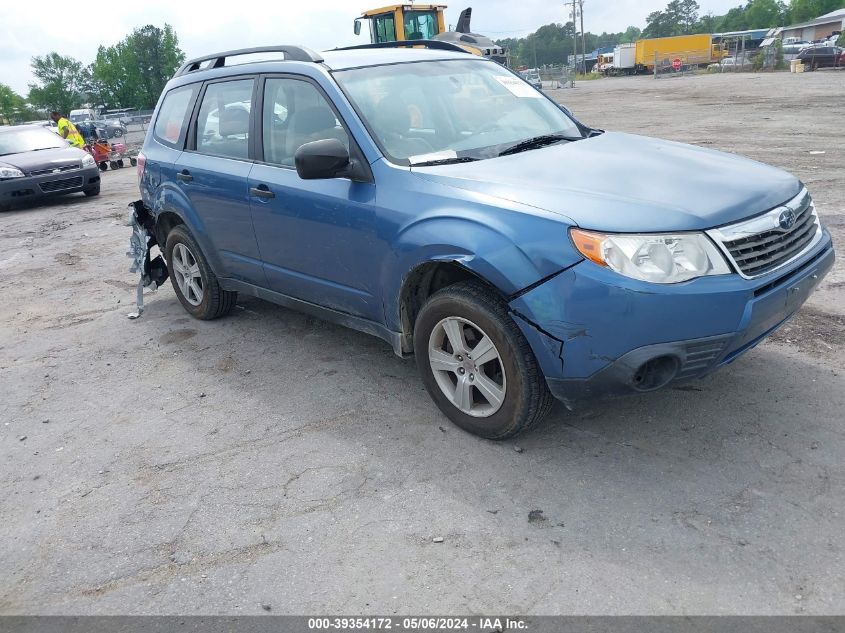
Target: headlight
<point>657,258</point>
<point>10,172</point>
<point>88,161</point>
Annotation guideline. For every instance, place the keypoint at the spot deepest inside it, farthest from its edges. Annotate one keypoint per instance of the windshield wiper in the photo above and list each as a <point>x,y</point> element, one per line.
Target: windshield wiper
<point>445,161</point>
<point>536,142</point>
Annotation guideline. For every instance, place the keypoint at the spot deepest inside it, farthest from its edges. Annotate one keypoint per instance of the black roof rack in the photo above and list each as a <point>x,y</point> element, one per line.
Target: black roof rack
<point>292,53</point>
<point>433,44</point>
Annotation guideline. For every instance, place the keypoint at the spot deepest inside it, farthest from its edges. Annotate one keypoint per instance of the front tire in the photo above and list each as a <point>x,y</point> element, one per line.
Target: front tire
<point>476,364</point>
<point>194,283</point>
<point>92,191</point>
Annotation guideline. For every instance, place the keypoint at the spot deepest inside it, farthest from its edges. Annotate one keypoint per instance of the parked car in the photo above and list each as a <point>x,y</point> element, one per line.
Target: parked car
<point>794,48</point>
<point>113,128</point>
<point>732,63</point>
<point>487,241</point>
<point>36,163</point>
<point>124,119</point>
<point>534,79</point>
<point>48,123</point>
<point>815,57</point>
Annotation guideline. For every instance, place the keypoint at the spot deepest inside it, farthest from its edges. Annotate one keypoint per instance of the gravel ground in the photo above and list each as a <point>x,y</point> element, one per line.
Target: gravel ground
<point>167,465</point>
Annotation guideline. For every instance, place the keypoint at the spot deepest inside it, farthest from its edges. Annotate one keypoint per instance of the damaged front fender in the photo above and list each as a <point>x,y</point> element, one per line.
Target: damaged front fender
<point>548,349</point>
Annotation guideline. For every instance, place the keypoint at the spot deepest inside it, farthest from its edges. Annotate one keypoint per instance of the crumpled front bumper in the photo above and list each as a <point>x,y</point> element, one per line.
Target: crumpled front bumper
<point>596,333</point>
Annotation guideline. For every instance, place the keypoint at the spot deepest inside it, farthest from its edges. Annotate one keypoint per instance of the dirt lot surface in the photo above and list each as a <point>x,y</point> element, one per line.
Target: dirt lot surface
<point>167,465</point>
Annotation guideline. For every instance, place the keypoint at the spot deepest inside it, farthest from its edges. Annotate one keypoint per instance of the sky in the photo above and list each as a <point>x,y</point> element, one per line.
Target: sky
<point>216,25</point>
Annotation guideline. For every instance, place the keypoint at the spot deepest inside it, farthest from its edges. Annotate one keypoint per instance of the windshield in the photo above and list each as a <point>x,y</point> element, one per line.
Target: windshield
<point>29,140</point>
<point>457,109</point>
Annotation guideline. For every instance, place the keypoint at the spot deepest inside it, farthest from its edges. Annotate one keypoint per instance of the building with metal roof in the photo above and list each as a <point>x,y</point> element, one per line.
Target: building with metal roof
<point>821,28</point>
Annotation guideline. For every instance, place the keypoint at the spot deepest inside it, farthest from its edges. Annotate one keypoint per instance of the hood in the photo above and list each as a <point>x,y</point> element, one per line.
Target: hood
<point>627,183</point>
<point>45,159</point>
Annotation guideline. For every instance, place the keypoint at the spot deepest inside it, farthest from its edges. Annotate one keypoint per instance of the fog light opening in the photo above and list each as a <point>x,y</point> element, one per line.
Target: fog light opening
<point>656,373</point>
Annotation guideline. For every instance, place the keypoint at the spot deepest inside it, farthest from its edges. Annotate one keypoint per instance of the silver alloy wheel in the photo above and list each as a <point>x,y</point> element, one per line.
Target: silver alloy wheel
<point>467,367</point>
<point>186,272</point>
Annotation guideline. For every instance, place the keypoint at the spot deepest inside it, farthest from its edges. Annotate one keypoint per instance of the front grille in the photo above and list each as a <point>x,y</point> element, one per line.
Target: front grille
<point>60,185</point>
<point>760,245</point>
<point>45,172</point>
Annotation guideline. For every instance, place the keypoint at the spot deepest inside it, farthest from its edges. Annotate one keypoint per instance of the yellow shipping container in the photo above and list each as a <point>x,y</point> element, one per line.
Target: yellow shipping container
<point>690,49</point>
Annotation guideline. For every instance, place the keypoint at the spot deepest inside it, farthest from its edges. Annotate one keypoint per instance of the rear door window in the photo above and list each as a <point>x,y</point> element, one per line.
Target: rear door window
<point>223,122</point>
<point>172,121</point>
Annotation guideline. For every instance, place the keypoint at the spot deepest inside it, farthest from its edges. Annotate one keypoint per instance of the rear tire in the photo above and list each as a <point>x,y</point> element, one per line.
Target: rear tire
<point>496,399</point>
<point>104,166</point>
<point>194,283</point>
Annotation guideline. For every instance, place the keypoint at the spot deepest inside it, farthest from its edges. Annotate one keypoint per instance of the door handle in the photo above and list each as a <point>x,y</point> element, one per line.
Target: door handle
<point>184,176</point>
<point>261,191</point>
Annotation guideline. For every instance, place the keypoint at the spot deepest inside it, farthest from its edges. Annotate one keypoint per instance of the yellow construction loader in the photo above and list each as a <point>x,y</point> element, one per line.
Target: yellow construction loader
<point>409,22</point>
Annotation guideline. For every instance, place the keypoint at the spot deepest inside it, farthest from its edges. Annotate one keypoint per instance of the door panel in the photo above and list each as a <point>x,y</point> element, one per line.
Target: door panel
<point>316,237</point>
<point>218,193</point>
<point>215,177</point>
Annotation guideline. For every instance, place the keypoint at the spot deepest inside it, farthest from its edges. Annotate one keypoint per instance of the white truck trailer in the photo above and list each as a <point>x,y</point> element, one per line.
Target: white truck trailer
<point>624,60</point>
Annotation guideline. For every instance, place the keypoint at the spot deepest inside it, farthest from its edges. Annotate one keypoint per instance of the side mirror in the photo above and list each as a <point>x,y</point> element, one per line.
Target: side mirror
<point>327,158</point>
<point>357,27</point>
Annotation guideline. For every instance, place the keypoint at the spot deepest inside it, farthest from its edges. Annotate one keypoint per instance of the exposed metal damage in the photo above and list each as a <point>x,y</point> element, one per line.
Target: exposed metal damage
<point>152,272</point>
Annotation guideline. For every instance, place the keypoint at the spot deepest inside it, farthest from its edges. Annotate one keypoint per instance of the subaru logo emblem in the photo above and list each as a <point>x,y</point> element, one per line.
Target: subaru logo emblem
<point>57,171</point>
<point>787,219</point>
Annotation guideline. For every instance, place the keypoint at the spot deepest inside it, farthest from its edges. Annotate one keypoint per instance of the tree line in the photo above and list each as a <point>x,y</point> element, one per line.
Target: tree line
<point>130,74</point>
<point>553,43</point>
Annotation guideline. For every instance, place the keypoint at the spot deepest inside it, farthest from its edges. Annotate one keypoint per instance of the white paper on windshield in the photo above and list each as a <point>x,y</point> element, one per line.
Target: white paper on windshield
<point>518,88</point>
<point>426,158</point>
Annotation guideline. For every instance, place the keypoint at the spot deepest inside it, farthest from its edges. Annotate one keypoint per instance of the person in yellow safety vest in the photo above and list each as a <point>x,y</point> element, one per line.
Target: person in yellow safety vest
<point>68,131</point>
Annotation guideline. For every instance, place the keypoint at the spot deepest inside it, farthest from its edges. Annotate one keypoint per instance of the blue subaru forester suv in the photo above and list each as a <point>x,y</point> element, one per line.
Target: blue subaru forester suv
<point>436,200</point>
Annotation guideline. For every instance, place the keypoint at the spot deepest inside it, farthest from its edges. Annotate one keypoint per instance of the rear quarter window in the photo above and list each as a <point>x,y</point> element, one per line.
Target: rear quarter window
<point>171,125</point>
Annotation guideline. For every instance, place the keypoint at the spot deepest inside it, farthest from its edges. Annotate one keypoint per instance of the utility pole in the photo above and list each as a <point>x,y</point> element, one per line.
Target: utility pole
<point>574,36</point>
<point>583,37</point>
